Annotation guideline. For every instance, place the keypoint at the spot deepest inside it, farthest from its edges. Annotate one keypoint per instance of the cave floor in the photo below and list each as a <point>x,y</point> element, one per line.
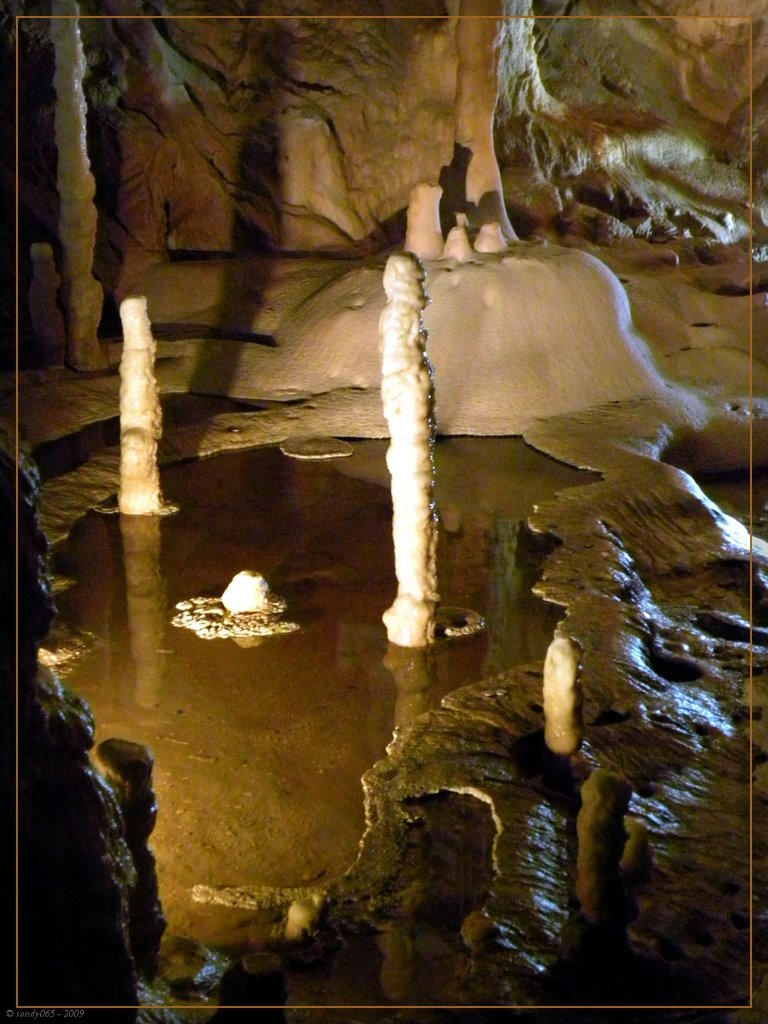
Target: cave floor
<point>657,584</point>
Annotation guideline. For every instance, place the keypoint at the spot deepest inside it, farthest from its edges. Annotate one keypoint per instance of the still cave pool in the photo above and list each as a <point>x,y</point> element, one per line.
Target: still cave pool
<point>259,750</point>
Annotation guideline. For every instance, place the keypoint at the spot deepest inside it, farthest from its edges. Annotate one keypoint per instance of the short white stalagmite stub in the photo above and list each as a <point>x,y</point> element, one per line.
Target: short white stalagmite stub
<point>562,697</point>
<point>140,414</point>
<point>408,398</point>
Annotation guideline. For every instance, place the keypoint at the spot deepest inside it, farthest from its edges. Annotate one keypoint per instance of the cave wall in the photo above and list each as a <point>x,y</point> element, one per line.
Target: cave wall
<point>231,134</point>
<point>74,868</point>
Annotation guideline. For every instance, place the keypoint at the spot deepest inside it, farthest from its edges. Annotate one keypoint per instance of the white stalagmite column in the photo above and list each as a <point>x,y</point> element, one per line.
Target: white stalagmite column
<point>423,236</point>
<point>140,414</point>
<point>408,398</point>
<point>82,295</point>
<point>47,321</point>
<point>562,697</point>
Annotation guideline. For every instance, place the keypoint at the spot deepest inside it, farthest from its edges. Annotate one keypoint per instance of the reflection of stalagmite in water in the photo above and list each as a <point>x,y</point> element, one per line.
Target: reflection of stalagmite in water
<point>414,673</point>
<point>562,697</point>
<point>140,414</point>
<point>146,604</point>
<point>600,883</point>
<point>82,295</point>
<point>407,396</point>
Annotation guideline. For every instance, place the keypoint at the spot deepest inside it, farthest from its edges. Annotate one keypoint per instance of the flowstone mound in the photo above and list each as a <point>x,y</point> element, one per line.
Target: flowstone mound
<point>516,336</point>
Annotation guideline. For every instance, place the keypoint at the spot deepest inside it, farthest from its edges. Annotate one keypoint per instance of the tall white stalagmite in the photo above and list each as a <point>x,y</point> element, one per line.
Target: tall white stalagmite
<point>408,399</point>
<point>82,295</point>
<point>140,414</point>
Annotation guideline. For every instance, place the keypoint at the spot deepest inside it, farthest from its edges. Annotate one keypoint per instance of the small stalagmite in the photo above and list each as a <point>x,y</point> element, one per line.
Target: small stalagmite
<point>140,414</point>
<point>423,236</point>
<point>457,245</point>
<point>490,239</point>
<point>408,399</point>
<point>82,295</point>
<point>562,697</point>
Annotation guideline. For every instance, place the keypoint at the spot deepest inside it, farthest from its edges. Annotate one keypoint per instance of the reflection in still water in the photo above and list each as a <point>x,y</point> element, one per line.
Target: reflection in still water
<point>413,669</point>
<point>145,600</point>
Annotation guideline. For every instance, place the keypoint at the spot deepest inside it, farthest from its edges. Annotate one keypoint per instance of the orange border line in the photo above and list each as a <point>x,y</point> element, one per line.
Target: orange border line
<point>392,17</point>
<point>751,520</point>
<point>381,17</point>
<point>16,514</point>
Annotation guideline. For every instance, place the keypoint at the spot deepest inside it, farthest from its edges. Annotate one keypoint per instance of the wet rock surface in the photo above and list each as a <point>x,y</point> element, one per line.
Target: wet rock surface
<point>680,738</point>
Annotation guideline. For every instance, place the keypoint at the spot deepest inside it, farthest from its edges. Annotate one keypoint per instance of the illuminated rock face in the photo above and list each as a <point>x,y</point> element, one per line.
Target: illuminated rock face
<point>476,95</point>
<point>407,396</point>
<point>562,730</point>
<point>82,294</point>
<point>353,113</point>
<point>140,414</point>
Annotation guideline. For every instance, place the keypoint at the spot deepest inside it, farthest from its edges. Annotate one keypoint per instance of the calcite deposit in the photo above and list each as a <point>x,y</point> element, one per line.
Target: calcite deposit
<point>82,295</point>
<point>246,609</point>
<point>562,697</point>
<point>407,394</point>
<point>141,415</point>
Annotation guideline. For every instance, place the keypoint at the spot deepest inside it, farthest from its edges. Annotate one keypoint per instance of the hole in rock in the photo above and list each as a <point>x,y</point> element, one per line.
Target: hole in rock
<point>259,750</point>
<point>673,669</point>
<point>610,716</point>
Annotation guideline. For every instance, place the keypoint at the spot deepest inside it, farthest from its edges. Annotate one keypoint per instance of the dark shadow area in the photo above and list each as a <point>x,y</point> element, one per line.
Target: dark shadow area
<point>453,181</point>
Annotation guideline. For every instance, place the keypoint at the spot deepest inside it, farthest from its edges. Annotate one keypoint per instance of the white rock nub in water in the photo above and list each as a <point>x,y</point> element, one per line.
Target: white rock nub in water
<point>247,592</point>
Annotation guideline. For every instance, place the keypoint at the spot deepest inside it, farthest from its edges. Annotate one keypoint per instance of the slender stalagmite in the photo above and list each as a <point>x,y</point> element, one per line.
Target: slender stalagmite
<point>82,295</point>
<point>140,414</point>
<point>408,398</point>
